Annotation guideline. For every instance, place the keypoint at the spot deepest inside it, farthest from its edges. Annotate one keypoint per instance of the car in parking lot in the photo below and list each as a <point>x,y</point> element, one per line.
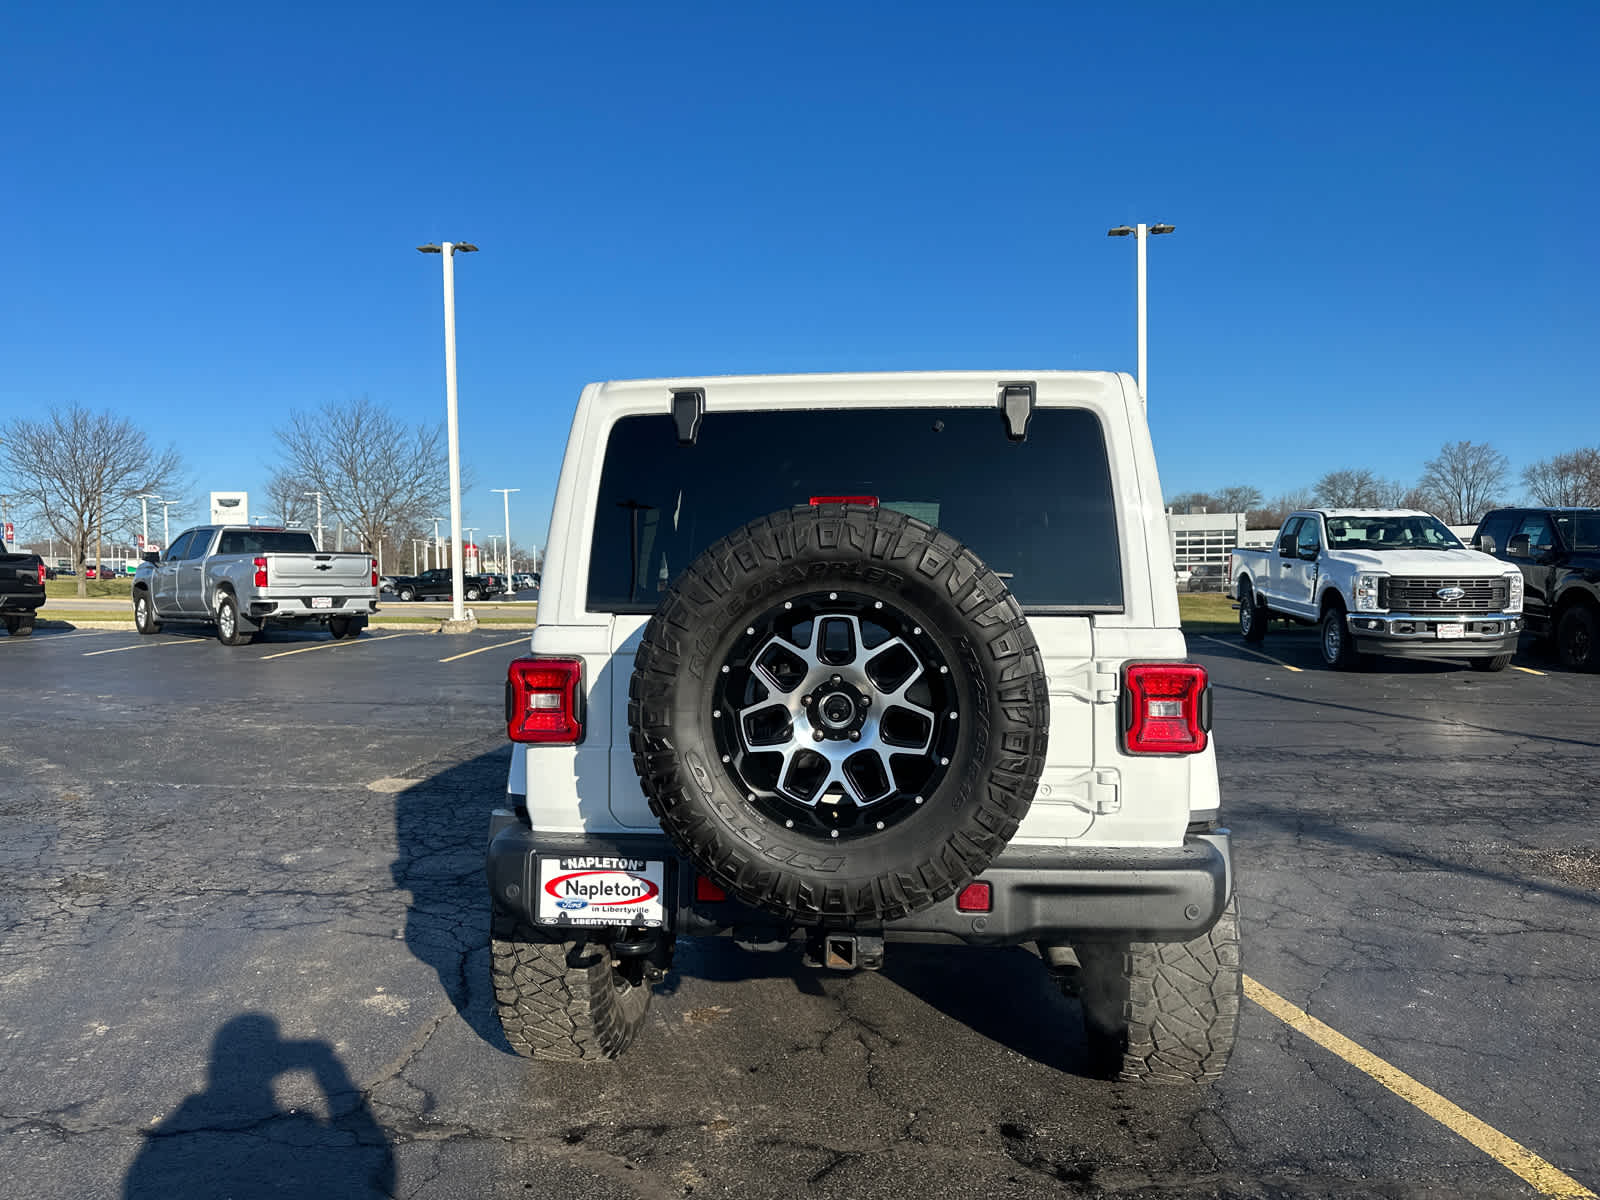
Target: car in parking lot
<point>1207,577</point>
<point>866,699</point>
<point>1558,552</point>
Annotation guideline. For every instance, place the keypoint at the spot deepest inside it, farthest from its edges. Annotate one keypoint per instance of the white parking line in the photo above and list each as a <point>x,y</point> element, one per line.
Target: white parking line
<point>335,645</point>
<point>1527,670</point>
<point>42,635</point>
<point>485,649</point>
<point>146,646</point>
<point>1248,650</point>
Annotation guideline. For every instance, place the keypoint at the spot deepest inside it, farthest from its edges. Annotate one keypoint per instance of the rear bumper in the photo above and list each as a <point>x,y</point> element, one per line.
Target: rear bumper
<point>1081,893</point>
<point>13,602</point>
<point>298,608</point>
<point>1403,634</point>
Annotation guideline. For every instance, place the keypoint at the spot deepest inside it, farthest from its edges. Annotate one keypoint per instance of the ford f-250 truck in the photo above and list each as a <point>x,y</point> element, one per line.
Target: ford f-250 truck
<point>21,590</point>
<point>242,578</point>
<point>1558,552</point>
<point>1380,581</point>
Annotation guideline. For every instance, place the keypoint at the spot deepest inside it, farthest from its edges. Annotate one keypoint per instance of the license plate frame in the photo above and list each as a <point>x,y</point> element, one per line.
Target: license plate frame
<point>322,602</point>
<point>1450,629</point>
<point>589,890</point>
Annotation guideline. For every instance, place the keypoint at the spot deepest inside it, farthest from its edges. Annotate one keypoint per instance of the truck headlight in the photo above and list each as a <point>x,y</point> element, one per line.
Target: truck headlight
<point>1367,593</point>
<point>1514,593</point>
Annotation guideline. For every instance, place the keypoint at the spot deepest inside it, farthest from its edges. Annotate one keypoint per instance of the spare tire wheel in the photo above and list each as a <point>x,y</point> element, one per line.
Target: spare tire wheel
<point>839,714</point>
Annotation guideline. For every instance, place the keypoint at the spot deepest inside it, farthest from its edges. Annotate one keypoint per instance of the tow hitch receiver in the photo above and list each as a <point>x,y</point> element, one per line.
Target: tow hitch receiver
<point>844,951</point>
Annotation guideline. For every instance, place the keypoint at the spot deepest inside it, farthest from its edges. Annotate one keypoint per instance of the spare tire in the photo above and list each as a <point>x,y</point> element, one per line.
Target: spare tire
<point>839,714</point>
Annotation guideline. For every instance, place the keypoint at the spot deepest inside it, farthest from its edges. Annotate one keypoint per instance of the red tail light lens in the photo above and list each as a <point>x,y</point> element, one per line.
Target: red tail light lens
<point>707,892</point>
<point>261,572</point>
<point>374,572</point>
<point>544,701</point>
<point>868,501</point>
<point>1166,708</point>
<point>975,897</point>
<point>41,572</point>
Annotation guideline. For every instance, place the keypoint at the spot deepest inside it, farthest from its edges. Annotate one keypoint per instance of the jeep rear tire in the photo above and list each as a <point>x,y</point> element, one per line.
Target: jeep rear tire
<point>1163,1012</point>
<point>559,999</point>
<point>839,714</point>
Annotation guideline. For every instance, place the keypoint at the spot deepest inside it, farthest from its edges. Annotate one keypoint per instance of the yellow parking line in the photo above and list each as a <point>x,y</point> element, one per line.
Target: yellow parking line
<point>146,646</point>
<point>332,644</point>
<point>1527,670</point>
<point>485,649</point>
<point>1248,650</point>
<point>1510,1154</point>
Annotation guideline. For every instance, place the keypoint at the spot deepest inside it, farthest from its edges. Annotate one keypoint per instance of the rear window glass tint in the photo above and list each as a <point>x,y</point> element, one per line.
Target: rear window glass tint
<point>266,541</point>
<point>1040,512</point>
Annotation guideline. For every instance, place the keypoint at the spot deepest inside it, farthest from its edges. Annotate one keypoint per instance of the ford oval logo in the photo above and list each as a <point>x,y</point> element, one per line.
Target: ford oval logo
<point>1451,593</point>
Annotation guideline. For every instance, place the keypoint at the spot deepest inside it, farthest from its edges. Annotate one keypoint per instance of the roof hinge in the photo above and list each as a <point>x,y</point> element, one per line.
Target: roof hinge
<point>1016,405</point>
<point>688,407</point>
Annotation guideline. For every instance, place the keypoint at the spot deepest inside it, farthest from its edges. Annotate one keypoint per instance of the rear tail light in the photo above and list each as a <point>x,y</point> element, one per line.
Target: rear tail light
<point>867,501</point>
<point>374,572</point>
<point>261,572</point>
<point>1166,708</point>
<point>975,897</point>
<point>41,572</point>
<point>707,892</point>
<point>544,701</point>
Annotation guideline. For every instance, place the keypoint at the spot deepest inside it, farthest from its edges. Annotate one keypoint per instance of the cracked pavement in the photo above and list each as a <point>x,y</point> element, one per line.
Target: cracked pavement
<point>229,966</point>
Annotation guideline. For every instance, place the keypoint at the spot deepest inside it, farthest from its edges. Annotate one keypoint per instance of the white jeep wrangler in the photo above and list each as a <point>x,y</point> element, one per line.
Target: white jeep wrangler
<point>845,660</point>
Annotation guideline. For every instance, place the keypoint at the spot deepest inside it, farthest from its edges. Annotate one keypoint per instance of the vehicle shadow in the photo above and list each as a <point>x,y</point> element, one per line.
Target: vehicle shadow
<point>233,1139</point>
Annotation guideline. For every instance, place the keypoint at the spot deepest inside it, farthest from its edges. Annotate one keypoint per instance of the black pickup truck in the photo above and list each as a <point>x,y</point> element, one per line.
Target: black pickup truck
<point>431,584</point>
<point>21,590</point>
<point>1558,552</point>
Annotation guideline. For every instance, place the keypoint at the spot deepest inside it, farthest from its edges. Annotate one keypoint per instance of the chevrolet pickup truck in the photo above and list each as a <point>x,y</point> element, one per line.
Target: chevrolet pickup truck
<point>1380,581</point>
<point>243,578</point>
<point>21,590</point>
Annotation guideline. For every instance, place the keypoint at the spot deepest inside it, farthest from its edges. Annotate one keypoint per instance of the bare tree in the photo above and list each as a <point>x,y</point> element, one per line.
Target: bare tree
<point>1273,514</point>
<point>1565,479</point>
<point>1351,487</point>
<point>81,472</point>
<point>1193,502</point>
<point>1464,480</point>
<point>1240,498</point>
<point>377,477</point>
<point>287,499</point>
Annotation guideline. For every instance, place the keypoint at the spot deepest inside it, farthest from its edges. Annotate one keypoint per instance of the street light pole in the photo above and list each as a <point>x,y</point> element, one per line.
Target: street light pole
<point>166,529</point>
<point>506,492</point>
<point>436,555</point>
<point>467,541</point>
<point>144,515</point>
<point>318,495</point>
<point>447,251</point>
<point>1140,233</point>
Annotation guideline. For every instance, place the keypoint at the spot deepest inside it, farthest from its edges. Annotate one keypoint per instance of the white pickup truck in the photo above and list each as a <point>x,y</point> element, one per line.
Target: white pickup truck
<point>1380,581</point>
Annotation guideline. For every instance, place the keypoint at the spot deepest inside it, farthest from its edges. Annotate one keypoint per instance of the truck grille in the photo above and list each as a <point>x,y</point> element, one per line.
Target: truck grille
<point>1407,594</point>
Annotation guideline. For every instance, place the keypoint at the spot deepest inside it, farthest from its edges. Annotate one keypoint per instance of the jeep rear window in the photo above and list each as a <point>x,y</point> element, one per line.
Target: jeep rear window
<point>1039,512</point>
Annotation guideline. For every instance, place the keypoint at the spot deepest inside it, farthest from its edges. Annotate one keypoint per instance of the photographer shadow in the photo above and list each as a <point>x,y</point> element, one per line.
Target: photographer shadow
<point>233,1139</point>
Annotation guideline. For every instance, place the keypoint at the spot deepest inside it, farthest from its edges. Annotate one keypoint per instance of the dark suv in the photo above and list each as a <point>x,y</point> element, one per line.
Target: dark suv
<point>1558,552</point>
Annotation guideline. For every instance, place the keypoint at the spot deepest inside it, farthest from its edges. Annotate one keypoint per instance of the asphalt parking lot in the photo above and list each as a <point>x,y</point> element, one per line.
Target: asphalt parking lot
<point>244,954</point>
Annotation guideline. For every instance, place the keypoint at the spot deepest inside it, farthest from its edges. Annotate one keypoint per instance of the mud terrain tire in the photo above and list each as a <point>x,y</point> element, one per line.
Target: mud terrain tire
<point>561,1000</point>
<point>1163,1012</point>
<point>988,714</point>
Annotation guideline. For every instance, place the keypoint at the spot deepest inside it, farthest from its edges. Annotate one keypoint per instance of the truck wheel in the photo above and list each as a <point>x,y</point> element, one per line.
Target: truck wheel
<point>144,614</point>
<point>228,631</point>
<point>338,627</point>
<point>407,594</point>
<point>20,626</point>
<point>1163,1012</point>
<point>562,999</point>
<point>1576,635</point>
<point>1252,616</point>
<point>1338,647</point>
<point>839,714</point>
<point>473,593</point>
<point>1497,663</point>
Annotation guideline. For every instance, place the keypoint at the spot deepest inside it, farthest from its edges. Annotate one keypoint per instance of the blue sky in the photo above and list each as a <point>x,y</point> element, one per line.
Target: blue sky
<point>1381,210</point>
